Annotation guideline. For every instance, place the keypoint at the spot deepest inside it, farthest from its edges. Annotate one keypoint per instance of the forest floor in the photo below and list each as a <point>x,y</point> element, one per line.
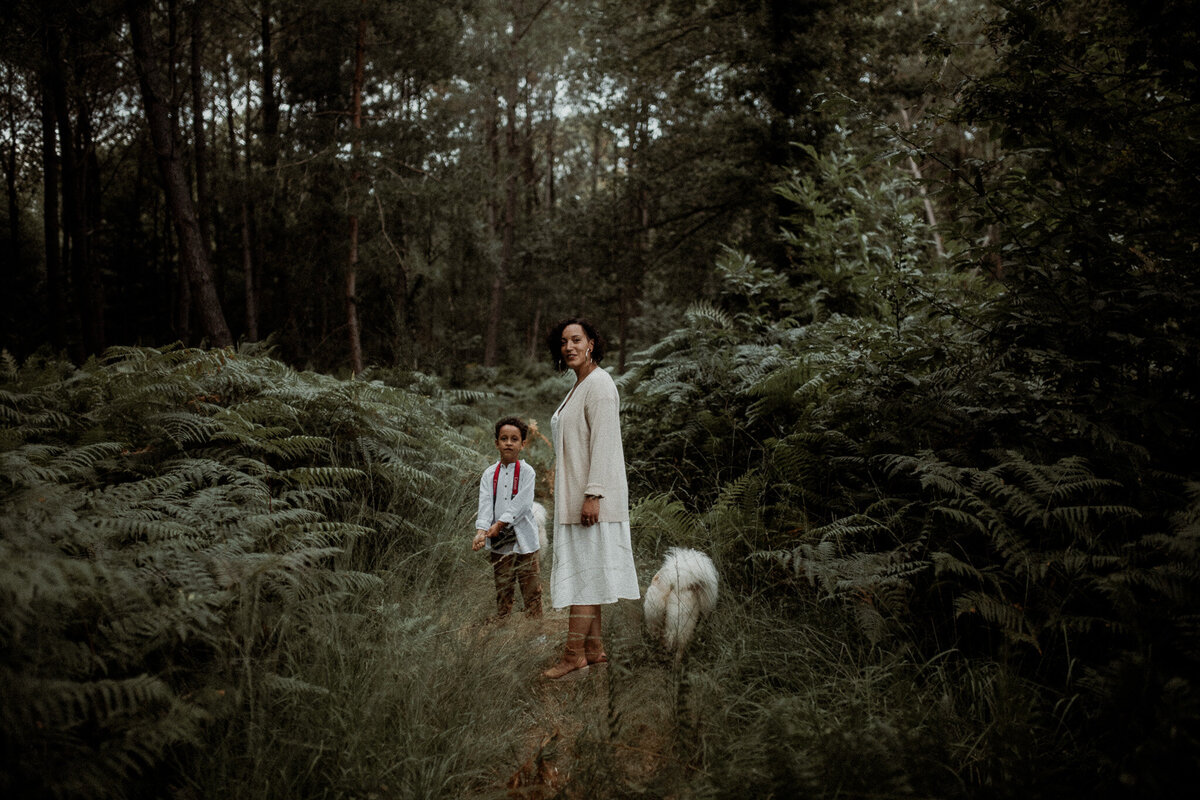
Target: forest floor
<point>605,723</point>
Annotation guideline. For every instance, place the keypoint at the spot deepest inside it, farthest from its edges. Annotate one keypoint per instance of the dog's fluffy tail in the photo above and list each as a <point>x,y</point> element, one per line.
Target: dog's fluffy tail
<point>539,518</point>
<point>682,591</point>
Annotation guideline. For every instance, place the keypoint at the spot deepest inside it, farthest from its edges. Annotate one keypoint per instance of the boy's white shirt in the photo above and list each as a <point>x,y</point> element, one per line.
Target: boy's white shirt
<point>518,511</point>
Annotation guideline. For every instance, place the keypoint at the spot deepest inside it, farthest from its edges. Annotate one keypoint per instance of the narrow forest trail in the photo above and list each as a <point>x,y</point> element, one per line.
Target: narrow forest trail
<point>612,722</point>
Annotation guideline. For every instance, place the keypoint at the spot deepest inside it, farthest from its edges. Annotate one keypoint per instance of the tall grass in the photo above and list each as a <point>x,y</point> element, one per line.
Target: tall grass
<point>409,696</point>
<point>789,701</point>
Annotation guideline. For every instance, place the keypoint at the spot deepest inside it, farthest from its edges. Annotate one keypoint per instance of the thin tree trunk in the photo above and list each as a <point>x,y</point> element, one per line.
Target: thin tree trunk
<point>550,197</point>
<point>535,330</point>
<point>596,158</point>
<point>50,211</point>
<point>74,251</point>
<point>183,306</point>
<point>262,212</point>
<point>10,172</point>
<point>248,273</point>
<point>199,143</point>
<point>508,225</point>
<point>248,278</point>
<point>529,176</point>
<point>179,199</point>
<point>92,285</point>
<point>270,110</point>
<point>360,47</point>
<point>400,296</point>
<point>930,216</point>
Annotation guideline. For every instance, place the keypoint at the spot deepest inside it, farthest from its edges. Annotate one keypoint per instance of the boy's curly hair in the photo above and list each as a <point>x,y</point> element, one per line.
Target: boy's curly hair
<point>517,423</point>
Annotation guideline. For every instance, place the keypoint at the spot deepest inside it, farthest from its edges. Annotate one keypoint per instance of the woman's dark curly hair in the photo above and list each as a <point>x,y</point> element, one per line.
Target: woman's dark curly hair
<point>554,341</point>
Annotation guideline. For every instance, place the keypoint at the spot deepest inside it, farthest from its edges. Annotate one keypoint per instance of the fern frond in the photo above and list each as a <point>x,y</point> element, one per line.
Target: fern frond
<point>1007,617</point>
<point>946,564</point>
<point>123,530</point>
<point>700,313</point>
<point>8,365</point>
<point>322,476</point>
<point>184,428</point>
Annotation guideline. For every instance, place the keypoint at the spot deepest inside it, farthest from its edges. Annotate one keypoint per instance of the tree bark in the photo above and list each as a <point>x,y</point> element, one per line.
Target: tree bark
<point>10,172</point>
<point>270,110</point>
<point>199,139</point>
<point>245,215</point>
<point>400,296</point>
<point>50,211</point>
<point>508,225</point>
<point>360,47</point>
<point>248,278</point>
<point>91,284</point>
<point>75,249</point>
<point>930,215</point>
<point>183,214</point>
<point>550,195</point>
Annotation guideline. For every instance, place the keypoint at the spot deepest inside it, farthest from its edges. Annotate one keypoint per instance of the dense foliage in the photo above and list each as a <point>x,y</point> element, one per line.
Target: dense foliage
<point>172,521</point>
<point>988,453</point>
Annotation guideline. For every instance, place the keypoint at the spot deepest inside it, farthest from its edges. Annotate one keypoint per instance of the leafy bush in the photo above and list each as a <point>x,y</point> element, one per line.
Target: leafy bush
<point>915,458</point>
<point>170,519</point>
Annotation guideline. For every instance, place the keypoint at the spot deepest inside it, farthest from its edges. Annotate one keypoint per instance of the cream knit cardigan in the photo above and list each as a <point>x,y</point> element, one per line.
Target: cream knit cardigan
<point>588,455</point>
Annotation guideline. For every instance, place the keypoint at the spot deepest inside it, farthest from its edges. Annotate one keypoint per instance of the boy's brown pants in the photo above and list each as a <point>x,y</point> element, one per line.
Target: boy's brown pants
<point>522,569</point>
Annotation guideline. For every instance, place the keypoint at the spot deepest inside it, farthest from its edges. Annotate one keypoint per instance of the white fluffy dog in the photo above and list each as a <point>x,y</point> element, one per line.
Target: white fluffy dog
<point>682,591</point>
<point>539,519</point>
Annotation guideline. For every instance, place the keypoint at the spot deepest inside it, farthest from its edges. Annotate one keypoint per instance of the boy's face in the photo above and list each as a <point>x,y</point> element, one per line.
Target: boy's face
<point>509,443</point>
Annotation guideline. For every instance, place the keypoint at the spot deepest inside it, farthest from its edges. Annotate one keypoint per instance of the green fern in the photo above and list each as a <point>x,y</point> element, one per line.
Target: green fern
<point>247,501</point>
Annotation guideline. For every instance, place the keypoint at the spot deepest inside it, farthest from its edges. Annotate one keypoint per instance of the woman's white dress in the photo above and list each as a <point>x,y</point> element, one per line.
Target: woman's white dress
<point>593,564</point>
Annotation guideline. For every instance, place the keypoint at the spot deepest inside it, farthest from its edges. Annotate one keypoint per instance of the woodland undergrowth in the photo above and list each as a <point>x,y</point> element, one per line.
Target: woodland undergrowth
<point>224,578</point>
<point>860,431</point>
<point>195,543</point>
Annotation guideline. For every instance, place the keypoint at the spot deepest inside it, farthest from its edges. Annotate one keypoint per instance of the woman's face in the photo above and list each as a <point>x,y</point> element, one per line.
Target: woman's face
<point>576,346</point>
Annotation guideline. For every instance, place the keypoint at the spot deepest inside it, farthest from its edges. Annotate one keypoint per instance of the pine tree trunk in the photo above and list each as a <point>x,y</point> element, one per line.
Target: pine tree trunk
<point>10,174</point>
<point>270,109</point>
<point>550,196</point>
<point>248,278</point>
<point>74,245</point>
<point>356,360</point>
<point>199,143</point>
<point>88,197</point>
<point>245,216</point>
<point>50,211</point>
<point>183,214</point>
<point>400,295</point>
<point>508,225</point>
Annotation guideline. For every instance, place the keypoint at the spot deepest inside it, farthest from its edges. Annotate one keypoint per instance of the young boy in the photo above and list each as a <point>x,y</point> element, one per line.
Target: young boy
<point>505,522</point>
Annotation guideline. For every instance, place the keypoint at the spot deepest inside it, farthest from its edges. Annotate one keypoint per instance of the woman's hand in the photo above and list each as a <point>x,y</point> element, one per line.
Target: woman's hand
<point>591,511</point>
<point>477,544</point>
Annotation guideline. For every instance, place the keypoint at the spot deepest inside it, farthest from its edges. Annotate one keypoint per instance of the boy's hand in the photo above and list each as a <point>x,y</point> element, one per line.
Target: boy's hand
<point>477,544</point>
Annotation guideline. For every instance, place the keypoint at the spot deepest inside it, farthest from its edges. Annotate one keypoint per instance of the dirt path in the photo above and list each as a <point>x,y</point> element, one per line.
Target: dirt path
<point>606,724</point>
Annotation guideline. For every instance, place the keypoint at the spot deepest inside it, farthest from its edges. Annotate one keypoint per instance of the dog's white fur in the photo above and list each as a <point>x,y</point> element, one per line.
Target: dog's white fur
<point>682,591</point>
<point>539,519</point>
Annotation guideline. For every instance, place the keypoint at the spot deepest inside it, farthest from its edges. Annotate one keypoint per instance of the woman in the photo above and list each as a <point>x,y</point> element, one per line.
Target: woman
<point>593,557</point>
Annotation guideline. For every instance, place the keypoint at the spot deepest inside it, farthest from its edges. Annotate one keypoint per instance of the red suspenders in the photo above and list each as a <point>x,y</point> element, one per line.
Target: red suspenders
<point>496,482</point>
